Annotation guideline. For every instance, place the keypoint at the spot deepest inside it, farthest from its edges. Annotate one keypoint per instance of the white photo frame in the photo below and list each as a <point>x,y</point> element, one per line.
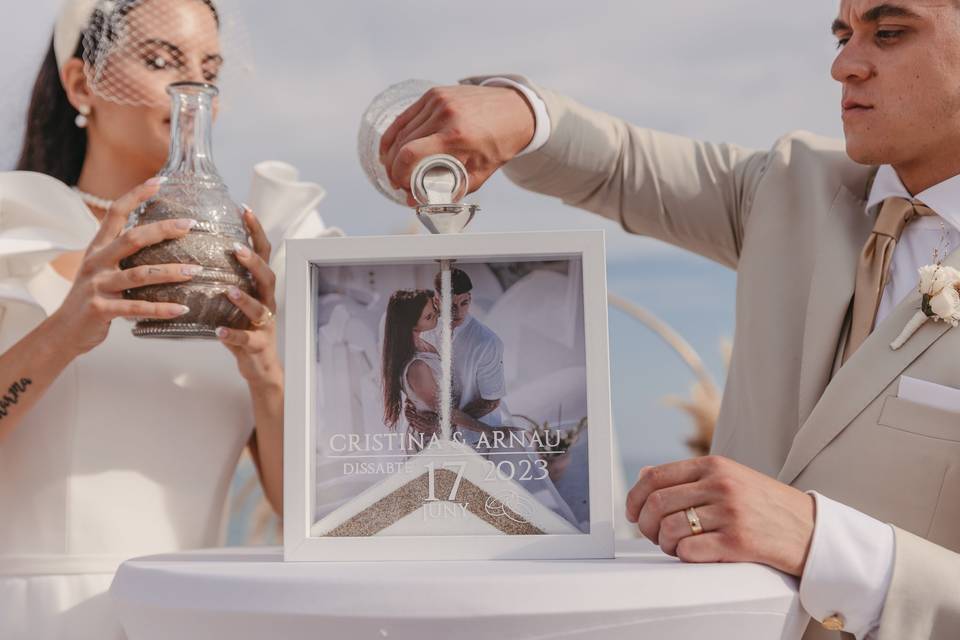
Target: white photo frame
<point>307,533</point>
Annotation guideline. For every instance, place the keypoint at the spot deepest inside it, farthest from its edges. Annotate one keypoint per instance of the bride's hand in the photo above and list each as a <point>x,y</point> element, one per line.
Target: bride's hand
<point>96,297</point>
<point>255,348</point>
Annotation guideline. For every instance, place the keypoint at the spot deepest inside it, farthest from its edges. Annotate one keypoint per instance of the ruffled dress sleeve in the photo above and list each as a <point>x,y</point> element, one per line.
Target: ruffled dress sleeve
<point>287,208</point>
<point>40,218</point>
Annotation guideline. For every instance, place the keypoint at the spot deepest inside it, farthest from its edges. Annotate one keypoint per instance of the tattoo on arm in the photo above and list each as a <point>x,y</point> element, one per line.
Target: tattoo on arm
<point>13,394</point>
<point>480,407</point>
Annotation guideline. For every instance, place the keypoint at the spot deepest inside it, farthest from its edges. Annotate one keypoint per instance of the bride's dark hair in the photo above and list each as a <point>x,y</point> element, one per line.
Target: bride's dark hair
<point>52,143</point>
<point>403,313</point>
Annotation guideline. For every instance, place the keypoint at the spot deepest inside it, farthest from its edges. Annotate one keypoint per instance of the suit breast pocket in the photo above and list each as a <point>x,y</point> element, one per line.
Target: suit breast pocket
<point>920,419</point>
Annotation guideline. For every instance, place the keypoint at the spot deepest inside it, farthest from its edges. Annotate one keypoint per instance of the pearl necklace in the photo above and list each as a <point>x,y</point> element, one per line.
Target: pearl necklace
<point>94,201</point>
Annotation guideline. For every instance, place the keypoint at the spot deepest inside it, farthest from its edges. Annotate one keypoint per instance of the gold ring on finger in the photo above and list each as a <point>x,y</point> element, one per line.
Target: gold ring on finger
<point>694,521</point>
<point>265,320</point>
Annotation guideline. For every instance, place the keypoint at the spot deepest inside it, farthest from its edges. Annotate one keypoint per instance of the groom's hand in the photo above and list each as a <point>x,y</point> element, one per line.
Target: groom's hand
<point>425,422</point>
<point>746,516</point>
<point>483,127</point>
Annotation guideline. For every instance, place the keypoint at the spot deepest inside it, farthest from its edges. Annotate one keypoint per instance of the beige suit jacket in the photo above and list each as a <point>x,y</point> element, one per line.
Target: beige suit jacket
<point>791,221</point>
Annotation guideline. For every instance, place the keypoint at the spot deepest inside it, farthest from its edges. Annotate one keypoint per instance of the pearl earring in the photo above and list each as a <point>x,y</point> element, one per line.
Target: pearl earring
<point>81,120</point>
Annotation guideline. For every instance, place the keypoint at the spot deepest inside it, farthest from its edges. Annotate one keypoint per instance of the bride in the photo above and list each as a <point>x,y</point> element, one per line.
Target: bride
<point>412,366</point>
<point>113,446</point>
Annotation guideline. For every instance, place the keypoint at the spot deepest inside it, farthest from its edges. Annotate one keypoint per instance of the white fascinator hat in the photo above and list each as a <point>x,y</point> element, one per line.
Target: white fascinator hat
<point>73,19</point>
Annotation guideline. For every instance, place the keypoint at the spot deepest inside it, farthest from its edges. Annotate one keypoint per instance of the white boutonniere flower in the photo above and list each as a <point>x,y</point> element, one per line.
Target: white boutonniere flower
<point>940,288</point>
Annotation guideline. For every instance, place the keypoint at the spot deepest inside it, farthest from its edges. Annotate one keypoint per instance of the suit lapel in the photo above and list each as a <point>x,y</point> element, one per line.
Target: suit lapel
<point>840,237</point>
<point>858,383</point>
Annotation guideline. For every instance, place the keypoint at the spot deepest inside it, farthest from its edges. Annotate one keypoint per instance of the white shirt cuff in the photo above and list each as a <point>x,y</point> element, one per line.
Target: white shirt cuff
<point>849,567</point>
<point>541,118</point>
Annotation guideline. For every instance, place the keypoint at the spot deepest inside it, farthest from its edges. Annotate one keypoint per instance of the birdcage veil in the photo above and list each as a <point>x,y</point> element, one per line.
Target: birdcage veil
<point>133,49</point>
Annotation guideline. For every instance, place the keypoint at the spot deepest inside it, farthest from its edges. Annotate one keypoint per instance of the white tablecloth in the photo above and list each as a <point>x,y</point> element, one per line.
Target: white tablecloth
<point>241,593</point>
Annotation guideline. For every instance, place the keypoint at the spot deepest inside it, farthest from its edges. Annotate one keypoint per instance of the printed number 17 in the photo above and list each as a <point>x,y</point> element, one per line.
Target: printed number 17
<point>432,480</point>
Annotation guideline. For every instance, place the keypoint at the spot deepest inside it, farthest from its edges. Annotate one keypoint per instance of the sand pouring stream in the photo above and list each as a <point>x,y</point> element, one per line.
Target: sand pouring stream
<point>438,183</point>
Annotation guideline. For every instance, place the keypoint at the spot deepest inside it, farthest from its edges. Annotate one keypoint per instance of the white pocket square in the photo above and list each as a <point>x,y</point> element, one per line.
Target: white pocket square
<point>929,394</point>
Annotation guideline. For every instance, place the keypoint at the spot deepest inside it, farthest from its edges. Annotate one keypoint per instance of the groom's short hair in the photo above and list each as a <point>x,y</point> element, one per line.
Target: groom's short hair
<point>459,280</point>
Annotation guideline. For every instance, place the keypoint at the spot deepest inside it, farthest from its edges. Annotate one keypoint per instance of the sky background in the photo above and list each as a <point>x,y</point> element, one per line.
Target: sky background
<point>742,71</point>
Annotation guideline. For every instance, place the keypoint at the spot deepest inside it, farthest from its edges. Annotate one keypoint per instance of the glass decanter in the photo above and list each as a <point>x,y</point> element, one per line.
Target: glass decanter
<point>194,189</point>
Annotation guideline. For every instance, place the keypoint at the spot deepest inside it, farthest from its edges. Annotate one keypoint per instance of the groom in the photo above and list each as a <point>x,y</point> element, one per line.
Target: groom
<point>477,363</point>
<point>827,463</point>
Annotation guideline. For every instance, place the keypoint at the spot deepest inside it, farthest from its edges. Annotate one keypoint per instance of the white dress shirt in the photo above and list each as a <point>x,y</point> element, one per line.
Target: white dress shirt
<point>921,237</point>
<point>850,563</point>
<point>477,368</point>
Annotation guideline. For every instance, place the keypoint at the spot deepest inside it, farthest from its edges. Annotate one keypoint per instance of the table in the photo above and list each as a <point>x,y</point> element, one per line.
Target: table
<point>241,593</point>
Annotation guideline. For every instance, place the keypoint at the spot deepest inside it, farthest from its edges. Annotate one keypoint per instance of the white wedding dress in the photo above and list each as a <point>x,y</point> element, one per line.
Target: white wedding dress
<point>435,364</point>
<point>131,451</point>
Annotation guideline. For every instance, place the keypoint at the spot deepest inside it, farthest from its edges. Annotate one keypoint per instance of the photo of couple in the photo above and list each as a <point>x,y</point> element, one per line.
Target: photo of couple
<point>412,367</point>
<point>518,375</point>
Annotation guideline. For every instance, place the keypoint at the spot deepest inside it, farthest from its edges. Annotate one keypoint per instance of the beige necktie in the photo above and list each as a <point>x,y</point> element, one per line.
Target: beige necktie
<point>874,267</point>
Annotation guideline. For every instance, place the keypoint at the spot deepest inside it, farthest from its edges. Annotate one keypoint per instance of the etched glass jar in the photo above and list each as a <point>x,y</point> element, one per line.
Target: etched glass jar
<point>194,189</point>
<point>379,115</point>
